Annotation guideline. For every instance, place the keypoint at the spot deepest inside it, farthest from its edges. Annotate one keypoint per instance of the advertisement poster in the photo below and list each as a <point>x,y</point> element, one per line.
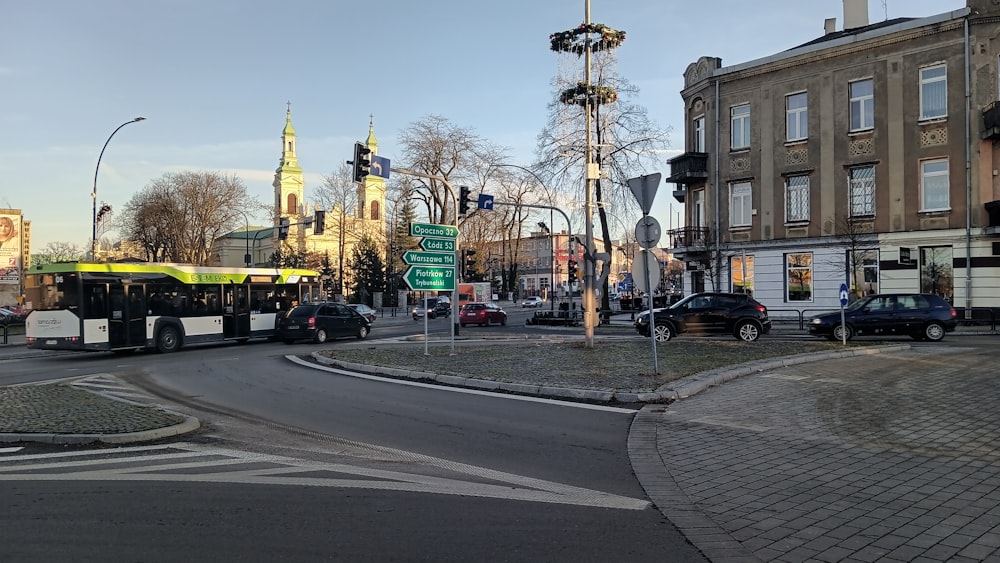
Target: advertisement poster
<point>10,249</point>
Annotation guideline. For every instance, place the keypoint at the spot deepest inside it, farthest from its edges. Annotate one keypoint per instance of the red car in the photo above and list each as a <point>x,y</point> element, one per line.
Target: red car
<point>482,314</point>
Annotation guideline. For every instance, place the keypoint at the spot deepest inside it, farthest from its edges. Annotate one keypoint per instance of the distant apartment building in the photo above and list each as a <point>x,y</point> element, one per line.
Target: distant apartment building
<point>867,157</point>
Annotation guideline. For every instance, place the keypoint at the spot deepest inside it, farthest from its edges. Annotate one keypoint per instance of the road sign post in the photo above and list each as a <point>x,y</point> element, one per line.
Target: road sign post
<point>843,303</point>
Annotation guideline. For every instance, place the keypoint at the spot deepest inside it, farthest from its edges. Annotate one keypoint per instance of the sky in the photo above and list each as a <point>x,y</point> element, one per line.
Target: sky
<point>212,78</point>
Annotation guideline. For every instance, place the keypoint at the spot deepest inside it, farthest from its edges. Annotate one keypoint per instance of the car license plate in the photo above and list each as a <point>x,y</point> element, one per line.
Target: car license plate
<point>50,342</point>
<point>293,327</point>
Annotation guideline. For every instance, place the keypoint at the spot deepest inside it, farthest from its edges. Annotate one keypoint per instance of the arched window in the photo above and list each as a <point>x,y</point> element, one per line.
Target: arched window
<point>293,204</point>
<point>374,213</point>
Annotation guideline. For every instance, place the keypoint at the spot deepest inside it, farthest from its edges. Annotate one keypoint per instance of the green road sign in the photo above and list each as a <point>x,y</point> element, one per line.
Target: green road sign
<point>432,230</point>
<point>437,244</point>
<point>430,278</point>
<point>429,258</point>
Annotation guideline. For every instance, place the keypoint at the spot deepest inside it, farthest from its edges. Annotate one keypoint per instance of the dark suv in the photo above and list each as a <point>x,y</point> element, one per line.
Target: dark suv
<point>922,316</point>
<point>439,307</point>
<point>321,321</point>
<point>708,313</point>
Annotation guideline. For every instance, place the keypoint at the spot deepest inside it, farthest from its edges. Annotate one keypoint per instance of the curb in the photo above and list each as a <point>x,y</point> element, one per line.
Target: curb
<point>673,391</point>
<point>190,424</point>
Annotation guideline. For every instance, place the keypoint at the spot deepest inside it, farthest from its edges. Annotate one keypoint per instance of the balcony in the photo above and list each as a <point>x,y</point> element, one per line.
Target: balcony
<point>688,168</point>
<point>991,122</point>
<point>687,237</point>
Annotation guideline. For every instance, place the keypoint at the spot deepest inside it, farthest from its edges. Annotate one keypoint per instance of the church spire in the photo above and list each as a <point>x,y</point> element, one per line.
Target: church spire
<point>372,142</point>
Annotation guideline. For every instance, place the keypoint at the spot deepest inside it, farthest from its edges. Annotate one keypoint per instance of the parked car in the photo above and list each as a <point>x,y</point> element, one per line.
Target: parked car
<point>708,313</point>
<point>438,308</point>
<point>366,311</point>
<point>922,316</point>
<point>322,321</point>
<point>533,301</point>
<point>482,314</point>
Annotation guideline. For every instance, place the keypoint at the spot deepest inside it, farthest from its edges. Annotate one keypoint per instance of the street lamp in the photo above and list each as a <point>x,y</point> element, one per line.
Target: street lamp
<point>93,249</point>
<point>552,259</point>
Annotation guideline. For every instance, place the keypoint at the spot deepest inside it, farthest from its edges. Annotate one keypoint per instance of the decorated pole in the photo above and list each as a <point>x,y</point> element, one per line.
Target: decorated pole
<point>585,40</point>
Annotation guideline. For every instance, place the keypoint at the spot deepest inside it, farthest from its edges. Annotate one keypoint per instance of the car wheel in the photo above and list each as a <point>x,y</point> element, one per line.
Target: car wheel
<point>663,333</point>
<point>934,332</point>
<point>747,331</point>
<point>320,336</point>
<point>362,333</point>
<point>842,332</point>
<point>169,340</point>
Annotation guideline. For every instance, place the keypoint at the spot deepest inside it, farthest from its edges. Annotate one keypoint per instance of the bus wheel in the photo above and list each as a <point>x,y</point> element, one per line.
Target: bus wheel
<point>168,340</point>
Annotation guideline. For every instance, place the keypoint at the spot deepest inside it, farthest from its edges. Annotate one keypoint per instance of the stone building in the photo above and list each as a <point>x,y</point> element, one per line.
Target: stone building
<point>867,157</point>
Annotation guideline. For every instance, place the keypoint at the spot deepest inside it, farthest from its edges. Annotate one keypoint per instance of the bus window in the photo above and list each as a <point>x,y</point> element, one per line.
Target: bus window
<point>95,301</point>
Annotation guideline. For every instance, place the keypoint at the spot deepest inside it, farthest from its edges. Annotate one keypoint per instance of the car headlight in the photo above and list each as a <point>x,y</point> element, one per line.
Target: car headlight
<point>815,321</point>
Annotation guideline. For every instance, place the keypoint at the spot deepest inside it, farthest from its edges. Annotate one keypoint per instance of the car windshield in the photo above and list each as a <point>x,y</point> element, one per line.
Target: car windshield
<point>301,311</point>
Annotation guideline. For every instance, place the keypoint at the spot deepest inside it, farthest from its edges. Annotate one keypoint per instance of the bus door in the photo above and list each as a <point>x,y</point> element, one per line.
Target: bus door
<point>127,316</point>
<point>236,311</point>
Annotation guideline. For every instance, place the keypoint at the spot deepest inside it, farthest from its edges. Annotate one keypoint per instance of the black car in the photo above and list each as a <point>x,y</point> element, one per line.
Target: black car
<point>708,313</point>
<point>439,307</point>
<point>322,321</point>
<point>922,316</point>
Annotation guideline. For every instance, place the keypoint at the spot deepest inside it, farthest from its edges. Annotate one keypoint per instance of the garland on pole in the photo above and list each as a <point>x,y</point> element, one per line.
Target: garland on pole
<point>574,40</point>
<point>597,94</point>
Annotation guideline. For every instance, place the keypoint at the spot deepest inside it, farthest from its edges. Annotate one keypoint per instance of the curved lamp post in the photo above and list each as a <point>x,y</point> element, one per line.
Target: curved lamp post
<point>93,249</point>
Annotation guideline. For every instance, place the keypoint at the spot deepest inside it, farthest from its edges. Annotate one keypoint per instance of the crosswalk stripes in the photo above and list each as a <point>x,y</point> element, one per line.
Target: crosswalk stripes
<point>195,463</point>
<point>107,385</point>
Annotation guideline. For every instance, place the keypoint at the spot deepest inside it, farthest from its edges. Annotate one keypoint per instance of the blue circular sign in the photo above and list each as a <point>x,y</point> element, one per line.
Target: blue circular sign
<point>843,294</point>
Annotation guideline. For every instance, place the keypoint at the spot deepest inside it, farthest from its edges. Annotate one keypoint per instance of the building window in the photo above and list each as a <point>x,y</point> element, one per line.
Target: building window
<point>934,185</point>
<point>862,104</point>
<point>798,276</point>
<point>740,204</point>
<point>374,212</point>
<point>936,273</point>
<point>862,191</point>
<point>796,199</point>
<point>740,125</point>
<point>934,92</point>
<point>293,205</point>
<point>864,270</point>
<point>699,134</point>
<point>698,208</point>
<point>796,117</point>
<point>741,274</point>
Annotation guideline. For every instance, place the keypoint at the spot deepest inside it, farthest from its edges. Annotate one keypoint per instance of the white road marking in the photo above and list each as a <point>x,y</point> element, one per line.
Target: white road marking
<point>175,462</point>
<point>494,394</point>
<point>10,450</point>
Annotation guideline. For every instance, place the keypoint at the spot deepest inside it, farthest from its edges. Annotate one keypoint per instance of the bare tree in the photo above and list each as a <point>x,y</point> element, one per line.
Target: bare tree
<point>628,143</point>
<point>178,216</point>
<point>338,195</point>
<point>860,244</point>
<point>58,252</point>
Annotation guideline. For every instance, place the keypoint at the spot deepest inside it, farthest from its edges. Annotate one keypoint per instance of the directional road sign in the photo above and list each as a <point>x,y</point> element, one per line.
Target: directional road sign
<point>433,231</point>
<point>379,166</point>
<point>430,278</point>
<point>843,295</point>
<point>429,258</point>
<point>485,202</point>
<point>437,245</point>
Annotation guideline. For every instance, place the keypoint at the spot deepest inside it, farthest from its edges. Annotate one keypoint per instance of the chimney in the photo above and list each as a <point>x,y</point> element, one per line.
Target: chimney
<point>855,13</point>
<point>829,25</point>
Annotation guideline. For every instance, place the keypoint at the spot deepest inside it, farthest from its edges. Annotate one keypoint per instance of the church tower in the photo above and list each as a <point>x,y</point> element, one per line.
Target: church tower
<point>289,185</point>
<point>371,191</point>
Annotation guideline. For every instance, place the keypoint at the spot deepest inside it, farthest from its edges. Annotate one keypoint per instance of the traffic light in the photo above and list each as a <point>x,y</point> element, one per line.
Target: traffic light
<point>464,200</point>
<point>362,162</point>
<point>470,261</point>
<point>319,225</point>
<point>283,228</point>
<point>571,270</point>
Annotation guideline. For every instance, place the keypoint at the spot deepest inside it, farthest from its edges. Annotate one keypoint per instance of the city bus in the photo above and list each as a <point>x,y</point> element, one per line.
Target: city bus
<point>157,306</point>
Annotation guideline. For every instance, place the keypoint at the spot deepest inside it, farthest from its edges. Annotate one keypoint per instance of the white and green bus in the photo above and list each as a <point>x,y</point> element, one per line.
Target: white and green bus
<point>157,306</point>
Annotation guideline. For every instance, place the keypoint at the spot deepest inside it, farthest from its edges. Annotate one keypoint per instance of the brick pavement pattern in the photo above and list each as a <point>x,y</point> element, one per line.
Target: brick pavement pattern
<point>891,457</point>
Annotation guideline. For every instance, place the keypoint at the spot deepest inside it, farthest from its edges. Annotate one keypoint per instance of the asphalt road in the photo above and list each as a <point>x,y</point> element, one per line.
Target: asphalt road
<point>300,464</point>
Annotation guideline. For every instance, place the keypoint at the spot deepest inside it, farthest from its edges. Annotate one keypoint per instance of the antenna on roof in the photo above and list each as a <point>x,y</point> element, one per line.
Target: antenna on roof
<point>885,9</point>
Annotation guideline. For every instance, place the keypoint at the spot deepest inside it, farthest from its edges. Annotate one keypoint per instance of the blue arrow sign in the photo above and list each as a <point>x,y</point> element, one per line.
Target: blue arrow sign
<point>843,295</point>
<point>485,202</point>
<point>379,166</point>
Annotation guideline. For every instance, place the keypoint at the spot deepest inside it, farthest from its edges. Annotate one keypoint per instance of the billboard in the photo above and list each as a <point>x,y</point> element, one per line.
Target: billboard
<point>10,249</point>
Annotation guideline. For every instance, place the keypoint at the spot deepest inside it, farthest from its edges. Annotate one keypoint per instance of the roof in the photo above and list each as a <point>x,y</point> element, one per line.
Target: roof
<point>854,31</point>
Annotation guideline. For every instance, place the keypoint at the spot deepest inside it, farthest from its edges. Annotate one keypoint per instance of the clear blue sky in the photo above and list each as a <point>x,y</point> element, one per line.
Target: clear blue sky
<point>213,77</point>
